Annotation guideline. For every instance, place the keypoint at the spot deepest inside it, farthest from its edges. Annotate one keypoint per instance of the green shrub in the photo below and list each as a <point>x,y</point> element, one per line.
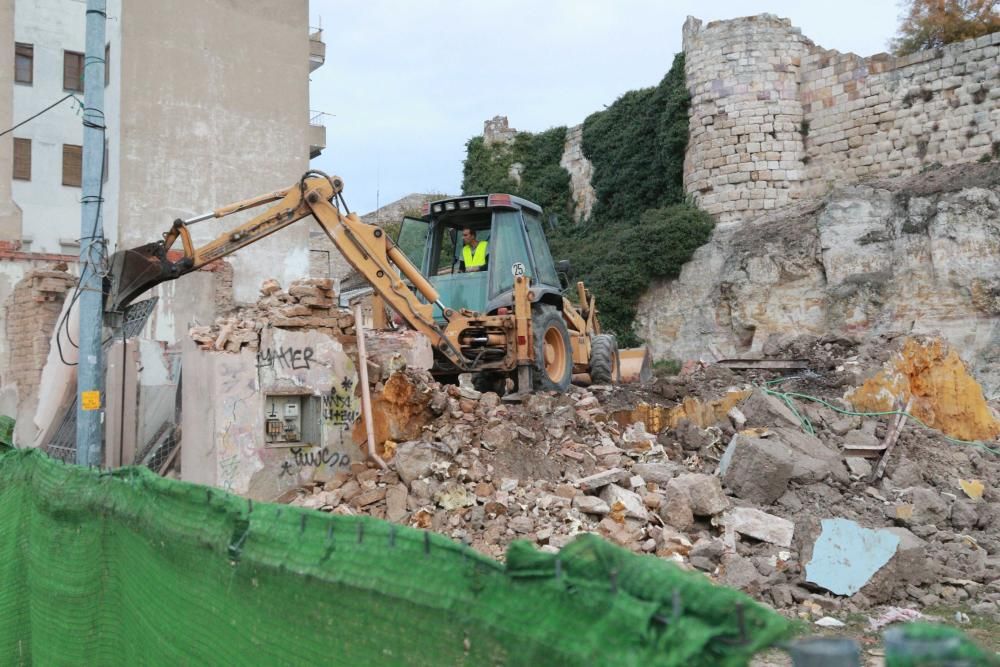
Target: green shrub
<point>637,148</point>
<point>543,181</point>
<point>666,367</point>
<point>618,263</point>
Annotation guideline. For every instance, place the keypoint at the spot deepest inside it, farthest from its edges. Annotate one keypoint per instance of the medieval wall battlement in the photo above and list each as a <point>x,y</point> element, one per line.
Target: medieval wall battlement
<point>775,118</point>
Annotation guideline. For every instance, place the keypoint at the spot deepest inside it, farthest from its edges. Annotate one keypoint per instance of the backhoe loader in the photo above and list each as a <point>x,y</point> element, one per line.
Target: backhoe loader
<point>510,320</point>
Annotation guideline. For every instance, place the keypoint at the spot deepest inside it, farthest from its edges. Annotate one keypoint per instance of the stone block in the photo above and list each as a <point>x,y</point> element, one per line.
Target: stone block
<point>591,505</point>
<point>632,503</point>
<point>657,473</point>
<point>704,493</point>
<point>759,525</point>
<point>756,469</point>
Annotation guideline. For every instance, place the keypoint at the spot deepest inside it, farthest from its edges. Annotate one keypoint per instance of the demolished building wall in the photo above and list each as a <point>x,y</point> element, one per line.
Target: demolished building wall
<point>30,312</point>
<point>228,399</point>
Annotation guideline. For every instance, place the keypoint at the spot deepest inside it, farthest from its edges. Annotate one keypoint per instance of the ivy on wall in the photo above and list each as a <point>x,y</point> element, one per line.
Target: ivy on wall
<point>542,180</point>
<point>641,228</point>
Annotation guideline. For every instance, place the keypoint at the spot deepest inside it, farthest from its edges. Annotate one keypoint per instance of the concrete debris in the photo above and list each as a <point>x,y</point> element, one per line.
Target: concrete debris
<point>630,503</point>
<point>703,492</point>
<point>591,505</point>
<point>715,478</point>
<point>893,615</point>
<point>858,466</point>
<point>759,525</point>
<point>830,622</point>
<point>757,469</point>
<point>602,479</point>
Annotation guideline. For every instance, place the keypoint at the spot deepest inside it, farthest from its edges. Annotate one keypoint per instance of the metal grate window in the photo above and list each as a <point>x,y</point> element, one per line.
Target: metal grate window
<point>73,71</point>
<point>72,165</point>
<point>22,159</point>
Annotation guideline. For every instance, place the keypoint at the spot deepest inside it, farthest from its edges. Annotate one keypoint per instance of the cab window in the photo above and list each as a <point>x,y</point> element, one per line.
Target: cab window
<point>545,268</point>
<point>508,254</point>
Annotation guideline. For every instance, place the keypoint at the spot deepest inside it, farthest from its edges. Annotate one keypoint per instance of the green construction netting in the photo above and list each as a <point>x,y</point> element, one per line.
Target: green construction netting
<point>930,645</point>
<point>126,568</point>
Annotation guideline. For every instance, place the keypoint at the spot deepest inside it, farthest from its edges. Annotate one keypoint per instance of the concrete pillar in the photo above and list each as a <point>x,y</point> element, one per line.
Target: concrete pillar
<point>10,212</point>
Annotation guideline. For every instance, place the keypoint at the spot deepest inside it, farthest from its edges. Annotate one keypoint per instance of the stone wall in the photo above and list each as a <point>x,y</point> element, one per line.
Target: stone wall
<point>775,118</point>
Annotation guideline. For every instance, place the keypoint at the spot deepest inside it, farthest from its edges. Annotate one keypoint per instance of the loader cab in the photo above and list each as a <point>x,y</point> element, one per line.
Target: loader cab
<point>516,245</point>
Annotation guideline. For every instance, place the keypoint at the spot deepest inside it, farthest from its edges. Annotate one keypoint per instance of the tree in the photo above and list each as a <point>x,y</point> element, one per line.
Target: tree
<point>929,24</point>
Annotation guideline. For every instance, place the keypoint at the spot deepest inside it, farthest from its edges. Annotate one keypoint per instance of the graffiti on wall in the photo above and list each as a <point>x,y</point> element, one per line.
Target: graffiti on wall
<point>340,406</point>
<point>287,358</point>
<point>312,457</point>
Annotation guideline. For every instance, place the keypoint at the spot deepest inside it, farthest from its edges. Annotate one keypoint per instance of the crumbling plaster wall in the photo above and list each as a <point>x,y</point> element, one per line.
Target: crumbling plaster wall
<point>223,412</point>
<point>776,118</point>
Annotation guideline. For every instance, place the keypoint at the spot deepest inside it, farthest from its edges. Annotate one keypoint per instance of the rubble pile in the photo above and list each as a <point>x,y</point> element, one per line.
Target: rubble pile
<point>776,495</point>
<point>309,303</point>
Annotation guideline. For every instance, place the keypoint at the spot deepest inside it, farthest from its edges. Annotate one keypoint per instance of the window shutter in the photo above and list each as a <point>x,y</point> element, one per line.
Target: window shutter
<point>73,71</point>
<point>22,159</point>
<point>72,167</point>
<point>24,63</point>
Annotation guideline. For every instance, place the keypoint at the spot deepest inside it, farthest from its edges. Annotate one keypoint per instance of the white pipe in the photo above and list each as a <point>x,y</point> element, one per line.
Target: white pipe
<point>366,397</point>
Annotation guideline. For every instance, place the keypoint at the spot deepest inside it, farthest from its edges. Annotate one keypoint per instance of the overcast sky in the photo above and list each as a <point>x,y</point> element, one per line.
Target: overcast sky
<point>408,83</point>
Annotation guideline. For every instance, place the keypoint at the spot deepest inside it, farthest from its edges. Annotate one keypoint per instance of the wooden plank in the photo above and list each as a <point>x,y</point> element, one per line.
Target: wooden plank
<point>891,438</point>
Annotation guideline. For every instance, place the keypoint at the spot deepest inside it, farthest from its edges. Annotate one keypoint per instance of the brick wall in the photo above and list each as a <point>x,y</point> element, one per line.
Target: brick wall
<point>32,310</point>
<point>776,118</point>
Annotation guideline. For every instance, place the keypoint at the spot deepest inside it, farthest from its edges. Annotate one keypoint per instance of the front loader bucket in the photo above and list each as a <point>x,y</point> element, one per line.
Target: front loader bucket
<point>636,364</point>
<point>135,271</point>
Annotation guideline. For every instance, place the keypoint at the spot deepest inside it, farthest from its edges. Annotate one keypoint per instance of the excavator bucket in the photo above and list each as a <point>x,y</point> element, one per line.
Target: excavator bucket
<point>135,271</point>
<point>636,364</point>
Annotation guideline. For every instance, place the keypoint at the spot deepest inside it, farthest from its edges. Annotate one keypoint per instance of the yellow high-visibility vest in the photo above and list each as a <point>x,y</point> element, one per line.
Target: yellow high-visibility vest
<point>476,259</point>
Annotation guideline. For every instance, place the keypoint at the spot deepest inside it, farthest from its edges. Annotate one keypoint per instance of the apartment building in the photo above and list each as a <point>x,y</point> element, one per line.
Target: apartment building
<point>206,102</point>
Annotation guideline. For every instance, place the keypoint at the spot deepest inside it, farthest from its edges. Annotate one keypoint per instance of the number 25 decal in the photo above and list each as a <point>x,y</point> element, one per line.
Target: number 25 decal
<point>517,268</point>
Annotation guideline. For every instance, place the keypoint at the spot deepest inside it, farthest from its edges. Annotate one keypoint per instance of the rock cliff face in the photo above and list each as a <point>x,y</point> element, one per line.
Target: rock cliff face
<point>916,255</point>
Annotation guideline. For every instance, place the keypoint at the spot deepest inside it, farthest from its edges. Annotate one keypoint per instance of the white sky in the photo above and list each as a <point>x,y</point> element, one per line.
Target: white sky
<point>408,83</point>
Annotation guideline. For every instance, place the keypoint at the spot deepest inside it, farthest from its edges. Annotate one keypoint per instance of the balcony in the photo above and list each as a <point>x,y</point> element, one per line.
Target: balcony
<point>317,49</point>
<point>317,133</point>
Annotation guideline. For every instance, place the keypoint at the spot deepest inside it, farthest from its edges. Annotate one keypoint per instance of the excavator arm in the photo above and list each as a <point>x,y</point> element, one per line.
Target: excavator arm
<point>365,247</point>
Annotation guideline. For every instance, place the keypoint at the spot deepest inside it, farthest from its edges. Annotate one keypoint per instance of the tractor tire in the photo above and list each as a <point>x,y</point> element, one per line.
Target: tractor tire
<point>605,366</point>
<point>552,369</point>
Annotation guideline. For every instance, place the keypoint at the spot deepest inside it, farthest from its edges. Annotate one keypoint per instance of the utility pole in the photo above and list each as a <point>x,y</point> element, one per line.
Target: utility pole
<point>90,372</point>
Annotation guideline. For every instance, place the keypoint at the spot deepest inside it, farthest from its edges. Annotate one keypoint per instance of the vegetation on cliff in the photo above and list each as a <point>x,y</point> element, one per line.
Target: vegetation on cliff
<point>641,227</point>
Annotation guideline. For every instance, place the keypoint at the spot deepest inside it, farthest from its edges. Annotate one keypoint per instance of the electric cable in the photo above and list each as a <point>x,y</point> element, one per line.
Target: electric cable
<point>807,425</point>
<point>31,118</point>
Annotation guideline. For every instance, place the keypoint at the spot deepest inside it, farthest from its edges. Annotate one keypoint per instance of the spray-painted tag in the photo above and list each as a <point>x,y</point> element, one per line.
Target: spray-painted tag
<point>90,400</point>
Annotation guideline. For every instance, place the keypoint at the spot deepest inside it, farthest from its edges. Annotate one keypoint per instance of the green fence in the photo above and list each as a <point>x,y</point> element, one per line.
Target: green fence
<point>129,568</point>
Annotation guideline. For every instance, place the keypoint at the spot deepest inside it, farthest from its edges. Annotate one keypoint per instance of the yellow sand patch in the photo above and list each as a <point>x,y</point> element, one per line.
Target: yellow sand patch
<point>945,396</point>
<point>704,414</point>
<point>972,487</point>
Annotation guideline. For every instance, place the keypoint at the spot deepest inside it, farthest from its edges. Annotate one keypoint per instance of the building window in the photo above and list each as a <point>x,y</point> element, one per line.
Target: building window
<point>24,63</point>
<point>107,64</point>
<point>72,168</point>
<point>22,159</point>
<point>73,71</point>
